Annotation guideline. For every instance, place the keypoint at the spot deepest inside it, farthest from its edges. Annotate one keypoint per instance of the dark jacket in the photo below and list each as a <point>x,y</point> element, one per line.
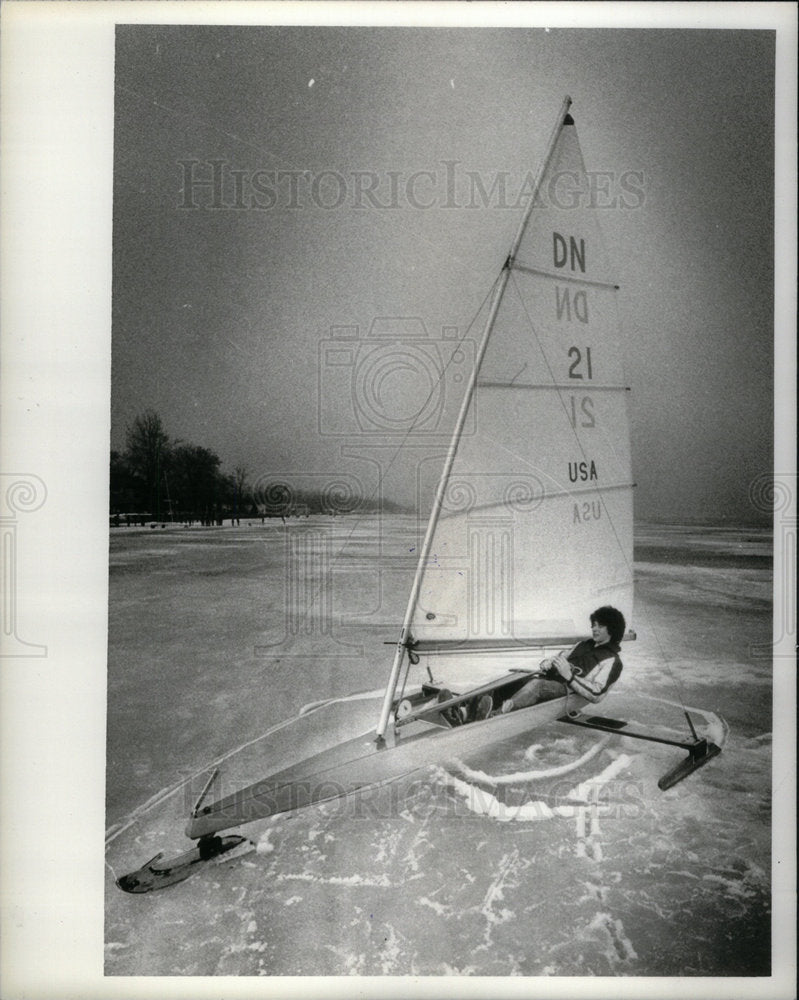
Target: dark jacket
<point>595,669</point>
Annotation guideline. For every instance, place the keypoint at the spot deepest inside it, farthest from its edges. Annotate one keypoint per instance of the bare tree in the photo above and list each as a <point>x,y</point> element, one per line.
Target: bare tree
<point>147,454</point>
<point>240,490</point>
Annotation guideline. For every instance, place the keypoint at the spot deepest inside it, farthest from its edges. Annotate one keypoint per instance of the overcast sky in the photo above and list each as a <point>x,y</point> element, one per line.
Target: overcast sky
<point>229,303</point>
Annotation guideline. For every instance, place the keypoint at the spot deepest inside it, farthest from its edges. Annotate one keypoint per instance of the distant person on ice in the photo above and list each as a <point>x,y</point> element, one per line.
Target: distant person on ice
<point>589,670</point>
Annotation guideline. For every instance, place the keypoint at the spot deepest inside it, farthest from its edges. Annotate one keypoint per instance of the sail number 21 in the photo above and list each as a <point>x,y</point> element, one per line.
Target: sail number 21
<point>580,368</point>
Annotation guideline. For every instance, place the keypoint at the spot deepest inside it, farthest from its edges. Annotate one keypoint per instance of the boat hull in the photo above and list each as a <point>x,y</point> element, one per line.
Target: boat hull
<point>363,762</point>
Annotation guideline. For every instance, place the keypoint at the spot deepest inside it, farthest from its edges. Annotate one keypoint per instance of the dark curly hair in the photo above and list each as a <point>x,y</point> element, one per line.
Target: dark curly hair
<point>612,619</point>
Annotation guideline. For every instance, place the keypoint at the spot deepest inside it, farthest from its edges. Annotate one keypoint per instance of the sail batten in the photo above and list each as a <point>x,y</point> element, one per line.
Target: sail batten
<point>477,509</point>
<point>513,384</point>
<point>555,276</point>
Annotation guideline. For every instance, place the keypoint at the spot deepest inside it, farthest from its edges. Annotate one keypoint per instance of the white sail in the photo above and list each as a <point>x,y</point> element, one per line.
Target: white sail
<point>535,525</point>
<point>531,527</point>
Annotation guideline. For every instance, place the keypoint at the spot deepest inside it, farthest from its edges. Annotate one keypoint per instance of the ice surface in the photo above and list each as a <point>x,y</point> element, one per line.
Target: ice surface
<point>599,874</point>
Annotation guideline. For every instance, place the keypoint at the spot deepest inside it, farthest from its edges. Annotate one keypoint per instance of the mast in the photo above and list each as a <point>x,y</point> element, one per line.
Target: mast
<point>499,291</point>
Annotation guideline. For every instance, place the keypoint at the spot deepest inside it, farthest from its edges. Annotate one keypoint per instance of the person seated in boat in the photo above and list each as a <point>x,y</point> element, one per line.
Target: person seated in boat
<point>588,670</point>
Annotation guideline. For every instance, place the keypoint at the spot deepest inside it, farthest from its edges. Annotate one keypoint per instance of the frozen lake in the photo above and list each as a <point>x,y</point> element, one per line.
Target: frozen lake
<point>513,862</point>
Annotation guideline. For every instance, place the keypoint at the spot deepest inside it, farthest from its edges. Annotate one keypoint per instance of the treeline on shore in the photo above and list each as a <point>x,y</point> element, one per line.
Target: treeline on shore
<point>156,479</point>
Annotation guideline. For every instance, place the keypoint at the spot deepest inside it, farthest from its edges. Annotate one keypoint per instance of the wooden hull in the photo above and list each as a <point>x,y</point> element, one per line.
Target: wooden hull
<point>362,762</point>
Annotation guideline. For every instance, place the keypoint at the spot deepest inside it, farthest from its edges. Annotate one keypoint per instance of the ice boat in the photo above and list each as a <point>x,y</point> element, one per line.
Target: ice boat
<point>536,503</point>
